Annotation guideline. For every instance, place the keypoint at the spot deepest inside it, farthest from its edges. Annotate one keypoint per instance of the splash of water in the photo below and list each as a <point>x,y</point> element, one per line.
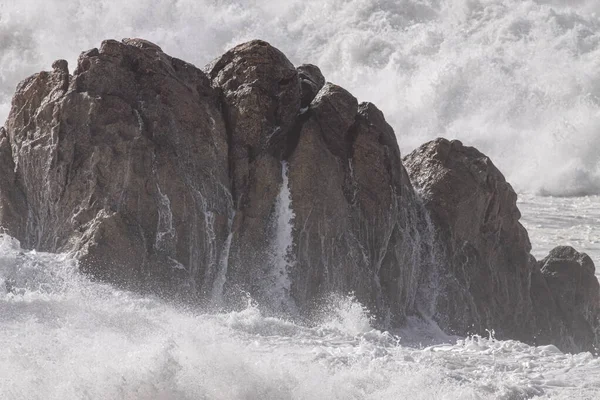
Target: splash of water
<point>65,337</point>
<point>518,79</point>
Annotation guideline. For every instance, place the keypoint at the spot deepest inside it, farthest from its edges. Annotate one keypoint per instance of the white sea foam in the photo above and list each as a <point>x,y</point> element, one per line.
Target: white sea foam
<point>520,79</point>
<point>64,337</point>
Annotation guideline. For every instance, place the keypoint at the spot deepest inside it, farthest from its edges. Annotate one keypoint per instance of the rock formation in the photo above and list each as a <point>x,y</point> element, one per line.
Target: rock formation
<point>164,177</point>
<point>488,279</point>
<point>255,177</point>
<point>115,160</point>
<point>575,295</point>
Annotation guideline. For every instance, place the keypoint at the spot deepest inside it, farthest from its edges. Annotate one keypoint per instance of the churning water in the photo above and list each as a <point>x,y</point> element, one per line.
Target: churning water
<point>519,79</point>
<point>64,337</point>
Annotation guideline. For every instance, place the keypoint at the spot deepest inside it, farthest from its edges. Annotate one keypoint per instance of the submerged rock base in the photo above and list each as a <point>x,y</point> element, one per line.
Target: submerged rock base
<point>256,177</point>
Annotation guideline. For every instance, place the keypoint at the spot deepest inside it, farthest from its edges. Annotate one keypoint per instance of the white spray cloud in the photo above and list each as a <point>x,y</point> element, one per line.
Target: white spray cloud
<point>518,79</point>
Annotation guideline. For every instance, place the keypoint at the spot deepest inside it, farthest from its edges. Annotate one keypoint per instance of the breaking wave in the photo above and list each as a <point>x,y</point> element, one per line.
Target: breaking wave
<point>518,79</point>
<point>65,337</point>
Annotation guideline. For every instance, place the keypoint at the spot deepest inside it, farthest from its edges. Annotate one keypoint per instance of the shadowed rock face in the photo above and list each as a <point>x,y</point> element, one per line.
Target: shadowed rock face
<point>255,177</point>
<point>12,202</point>
<point>357,217</point>
<point>486,282</point>
<point>261,94</point>
<point>353,222</point>
<point>488,279</point>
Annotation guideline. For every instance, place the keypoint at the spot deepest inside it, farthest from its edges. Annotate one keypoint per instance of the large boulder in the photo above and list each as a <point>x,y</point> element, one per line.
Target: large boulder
<point>323,203</point>
<point>358,225</point>
<point>250,176</point>
<point>125,163</point>
<point>253,177</point>
<point>488,280</point>
<point>261,93</point>
<point>487,263</point>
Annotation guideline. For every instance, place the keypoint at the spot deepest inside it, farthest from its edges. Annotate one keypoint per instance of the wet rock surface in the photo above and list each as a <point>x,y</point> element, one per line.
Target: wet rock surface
<point>571,280</point>
<point>115,162</point>
<point>248,177</point>
<point>489,280</point>
<point>255,178</point>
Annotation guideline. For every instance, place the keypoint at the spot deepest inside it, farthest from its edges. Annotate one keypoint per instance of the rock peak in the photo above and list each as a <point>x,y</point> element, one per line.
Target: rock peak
<point>142,44</point>
<point>61,65</point>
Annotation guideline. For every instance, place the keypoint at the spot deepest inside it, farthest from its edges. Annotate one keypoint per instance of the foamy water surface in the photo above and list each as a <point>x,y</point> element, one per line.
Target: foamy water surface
<point>64,337</point>
<point>553,221</point>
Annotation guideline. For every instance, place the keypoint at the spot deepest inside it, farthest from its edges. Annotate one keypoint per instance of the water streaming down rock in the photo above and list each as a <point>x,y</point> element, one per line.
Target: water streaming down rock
<point>164,178</point>
<point>281,260</point>
<point>216,296</point>
<point>215,221</point>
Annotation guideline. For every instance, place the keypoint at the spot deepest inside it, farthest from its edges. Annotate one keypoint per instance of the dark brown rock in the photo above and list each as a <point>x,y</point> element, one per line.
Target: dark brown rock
<point>311,81</point>
<point>256,177</point>
<point>13,208</point>
<point>357,225</point>
<point>488,279</point>
<point>125,164</point>
<point>252,177</point>
<point>261,100</point>
<point>571,279</point>
<point>345,178</point>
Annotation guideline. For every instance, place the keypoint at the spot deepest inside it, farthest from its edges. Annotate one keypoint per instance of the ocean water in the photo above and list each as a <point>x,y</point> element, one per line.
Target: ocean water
<point>518,79</point>
<point>573,221</point>
<point>64,337</point>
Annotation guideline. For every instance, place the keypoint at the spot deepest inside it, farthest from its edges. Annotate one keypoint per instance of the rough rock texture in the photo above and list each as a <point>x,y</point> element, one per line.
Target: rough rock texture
<point>571,279</point>
<point>124,162</point>
<point>12,202</point>
<point>311,81</point>
<point>357,216</point>
<point>261,100</point>
<point>253,177</point>
<point>488,279</point>
<point>354,212</point>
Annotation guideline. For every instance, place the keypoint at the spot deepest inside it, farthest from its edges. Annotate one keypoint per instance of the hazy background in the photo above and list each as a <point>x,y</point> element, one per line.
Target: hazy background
<point>518,79</point>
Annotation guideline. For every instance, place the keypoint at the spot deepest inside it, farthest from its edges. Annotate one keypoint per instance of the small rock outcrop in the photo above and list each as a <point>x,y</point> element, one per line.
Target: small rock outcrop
<point>254,177</point>
<point>488,279</point>
<point>575,295</point>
